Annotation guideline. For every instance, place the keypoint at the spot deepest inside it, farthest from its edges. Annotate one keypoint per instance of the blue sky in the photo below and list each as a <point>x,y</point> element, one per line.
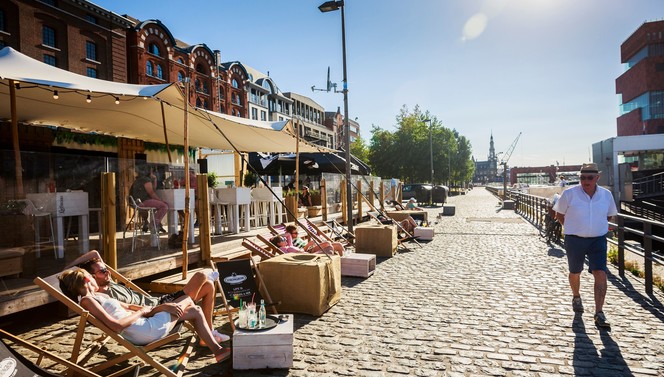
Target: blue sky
<point>546,68</point>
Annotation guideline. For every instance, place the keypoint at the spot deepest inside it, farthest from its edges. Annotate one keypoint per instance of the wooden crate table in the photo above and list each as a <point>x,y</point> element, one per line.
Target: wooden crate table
<point>377,239</point>
<point>271,348</point>
<point>11,261</point>
<point>402,215</point>
<point>303,283</point>
<point>360,265</point>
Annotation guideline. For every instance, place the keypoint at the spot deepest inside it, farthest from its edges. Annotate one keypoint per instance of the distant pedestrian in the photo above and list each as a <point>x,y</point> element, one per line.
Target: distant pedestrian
<point>585,210</point>
<point>563,181</point>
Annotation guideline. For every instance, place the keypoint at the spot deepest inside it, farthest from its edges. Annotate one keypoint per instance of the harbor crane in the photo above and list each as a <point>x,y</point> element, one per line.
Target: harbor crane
<point>503,161</point>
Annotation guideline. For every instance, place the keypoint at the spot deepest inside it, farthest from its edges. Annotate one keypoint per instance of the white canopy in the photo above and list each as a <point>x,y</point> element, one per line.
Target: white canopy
<point>127,110</point>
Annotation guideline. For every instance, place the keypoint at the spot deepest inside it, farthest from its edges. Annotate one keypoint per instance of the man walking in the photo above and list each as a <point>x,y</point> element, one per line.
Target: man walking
<point>585,210</point>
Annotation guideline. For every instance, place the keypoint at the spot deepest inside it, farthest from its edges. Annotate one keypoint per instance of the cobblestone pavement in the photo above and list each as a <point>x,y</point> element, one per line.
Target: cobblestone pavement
<point>487,297</point>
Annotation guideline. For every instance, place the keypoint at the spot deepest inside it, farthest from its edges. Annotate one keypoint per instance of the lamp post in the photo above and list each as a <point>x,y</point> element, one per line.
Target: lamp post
<point>431,159</point>
<point>330,6</point>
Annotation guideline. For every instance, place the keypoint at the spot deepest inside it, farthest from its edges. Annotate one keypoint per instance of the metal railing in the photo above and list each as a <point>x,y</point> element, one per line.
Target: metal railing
<point>649,186</point>
<point>643,231</point>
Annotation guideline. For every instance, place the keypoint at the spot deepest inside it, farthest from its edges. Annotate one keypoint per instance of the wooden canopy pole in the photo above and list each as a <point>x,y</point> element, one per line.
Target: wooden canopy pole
<point>108,201</point>
<point>18,166</point>
<point>185,223</point>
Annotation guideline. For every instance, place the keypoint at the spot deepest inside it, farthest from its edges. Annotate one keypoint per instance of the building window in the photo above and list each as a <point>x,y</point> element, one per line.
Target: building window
<point>205,104</point>
<point>90,50</point>
<point>50,60</point>
<point>154,49</point>
<point>233,112</point>
<point>148,68</point>
<point>180,76</point>
<point>198,102</point>
<point>91,19</point>
<point>197,85</point>
<point>235,84</point>
<point>221,109</point>
<point>2,44</point>
<point>91,72</point>
<point>180,61</point>
<point>3,25</point>
<point>263,115</point>
<point>160,72</point>
<point>239,113</point>
<point>200,69</point>
<point>48,36</point>
<point>254,113</point>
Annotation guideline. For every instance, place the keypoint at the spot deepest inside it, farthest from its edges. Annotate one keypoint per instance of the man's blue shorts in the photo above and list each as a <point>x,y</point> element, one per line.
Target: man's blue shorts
<point>579,247</point>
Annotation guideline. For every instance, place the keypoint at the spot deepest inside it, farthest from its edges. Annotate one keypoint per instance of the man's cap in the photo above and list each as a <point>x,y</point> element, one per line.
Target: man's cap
<point>412,200</point>
<point>589,168</point>
<point>305,188</point>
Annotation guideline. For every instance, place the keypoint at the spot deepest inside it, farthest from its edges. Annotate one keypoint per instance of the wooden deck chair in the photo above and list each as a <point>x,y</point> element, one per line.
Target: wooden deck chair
<point>383,219</point>
<point>323,232</point>
<point>80,357</point>
<point>15,363</point>
<point>239,279</point>
<point>251,245</point>
<point>339,232</point>
<point>272,249</point>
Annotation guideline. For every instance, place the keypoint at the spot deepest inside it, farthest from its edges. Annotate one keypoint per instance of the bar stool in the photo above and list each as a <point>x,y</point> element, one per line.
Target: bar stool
<point>29,209</point>
<point>137,222</point>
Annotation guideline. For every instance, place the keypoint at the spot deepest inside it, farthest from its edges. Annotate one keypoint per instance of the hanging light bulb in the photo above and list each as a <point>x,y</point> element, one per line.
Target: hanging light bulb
<point>55,94</point>
<point>117,101</point>
<point>88,100</point>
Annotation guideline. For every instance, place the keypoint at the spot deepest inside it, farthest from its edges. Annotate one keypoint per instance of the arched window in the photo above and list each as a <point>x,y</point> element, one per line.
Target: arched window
<point>235,84</point>
<point>197,85</point>
<point>267,86</point>
<point>200,68</point>
<point>198,102</point>
<point>180,61</point>
<point>148,68</point>
<point>205,86</point>
<point>160,72</point>
<point>154,49</point>
<point>180,76</point>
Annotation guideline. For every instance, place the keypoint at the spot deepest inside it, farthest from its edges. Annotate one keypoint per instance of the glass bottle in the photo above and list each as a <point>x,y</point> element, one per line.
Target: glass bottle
<point>261,315</point>
<point>243,315</point>
<point>252,321</point>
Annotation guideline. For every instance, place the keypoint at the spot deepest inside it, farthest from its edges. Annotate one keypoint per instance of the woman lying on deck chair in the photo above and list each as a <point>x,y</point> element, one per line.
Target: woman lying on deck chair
<point>284,244</point>
<point>294,240</point>
<point>140,325</point>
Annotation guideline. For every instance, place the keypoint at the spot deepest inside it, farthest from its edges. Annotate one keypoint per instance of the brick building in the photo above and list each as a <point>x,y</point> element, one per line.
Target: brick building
<point>74,35</point>
<point>641,86</point>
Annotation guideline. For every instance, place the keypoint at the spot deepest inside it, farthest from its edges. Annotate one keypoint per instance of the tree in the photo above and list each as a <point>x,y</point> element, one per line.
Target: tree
<point>359,149</point>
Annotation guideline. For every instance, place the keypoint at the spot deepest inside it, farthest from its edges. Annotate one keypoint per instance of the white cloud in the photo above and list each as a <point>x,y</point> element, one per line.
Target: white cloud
<point>475,26</point>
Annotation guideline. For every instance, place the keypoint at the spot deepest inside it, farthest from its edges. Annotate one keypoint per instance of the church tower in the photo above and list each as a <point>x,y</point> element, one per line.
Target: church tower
<point>493,159</point>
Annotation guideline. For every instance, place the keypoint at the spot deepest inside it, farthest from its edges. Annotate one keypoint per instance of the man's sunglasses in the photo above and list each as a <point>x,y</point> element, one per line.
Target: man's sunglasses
<point>587,177</point>
<point>103,270</point>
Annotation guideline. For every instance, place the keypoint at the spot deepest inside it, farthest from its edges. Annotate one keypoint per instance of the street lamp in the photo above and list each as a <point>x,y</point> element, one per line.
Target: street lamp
<point>330,6</point>
<point>431,160</point>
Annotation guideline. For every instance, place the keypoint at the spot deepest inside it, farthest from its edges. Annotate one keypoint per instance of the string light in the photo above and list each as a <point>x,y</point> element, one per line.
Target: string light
<point>88,100</point>
<point>117,101</point>
<point>55,94</point>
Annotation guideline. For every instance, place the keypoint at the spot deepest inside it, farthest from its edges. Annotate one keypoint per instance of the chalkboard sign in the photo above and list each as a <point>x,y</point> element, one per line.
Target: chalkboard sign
<point>238,282</point>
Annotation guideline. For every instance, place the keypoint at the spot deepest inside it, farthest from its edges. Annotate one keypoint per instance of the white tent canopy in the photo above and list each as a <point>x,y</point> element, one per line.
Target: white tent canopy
<point>127,110</point>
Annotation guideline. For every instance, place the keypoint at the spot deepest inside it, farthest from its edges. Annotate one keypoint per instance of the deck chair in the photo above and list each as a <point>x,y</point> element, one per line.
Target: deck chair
<point>15,363</point>
<point>239,279</point>
<point>320,232</point>
<point>384,219</point>
<point>339,232</point>
<point>80,357</point>
<point>256,249</point>
<point>272,249</point>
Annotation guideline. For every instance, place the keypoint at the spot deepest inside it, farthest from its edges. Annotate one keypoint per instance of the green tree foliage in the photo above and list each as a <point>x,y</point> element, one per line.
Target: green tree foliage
<point>359,149</point>
<point>406,152</point>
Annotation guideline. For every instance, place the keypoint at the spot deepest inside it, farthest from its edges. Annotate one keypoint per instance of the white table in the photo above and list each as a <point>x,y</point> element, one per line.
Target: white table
<point>236,197</point>
<point>274,207</point>
<point>175,200</point>
<point>61,205</point>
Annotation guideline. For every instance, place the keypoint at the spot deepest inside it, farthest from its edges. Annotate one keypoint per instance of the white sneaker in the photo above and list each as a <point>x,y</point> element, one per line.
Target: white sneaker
<point>219,337</point>
<point>212,276</point>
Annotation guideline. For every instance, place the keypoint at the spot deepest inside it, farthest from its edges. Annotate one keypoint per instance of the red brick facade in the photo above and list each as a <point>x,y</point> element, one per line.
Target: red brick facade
<point>74,24</point>
<point>646,76</point>
<point>156,57</point>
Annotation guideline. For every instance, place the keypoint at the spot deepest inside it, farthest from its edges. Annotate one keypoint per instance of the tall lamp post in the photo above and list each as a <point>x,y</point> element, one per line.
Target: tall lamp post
<point>431,159</point>
<point>330,6</point>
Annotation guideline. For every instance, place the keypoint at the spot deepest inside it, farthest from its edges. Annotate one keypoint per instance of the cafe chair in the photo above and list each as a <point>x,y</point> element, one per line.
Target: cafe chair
<point>37,214</point>
<point>137,222</point>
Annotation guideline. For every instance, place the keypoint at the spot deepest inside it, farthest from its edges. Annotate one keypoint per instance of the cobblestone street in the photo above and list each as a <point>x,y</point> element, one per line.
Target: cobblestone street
<point>486,297</point>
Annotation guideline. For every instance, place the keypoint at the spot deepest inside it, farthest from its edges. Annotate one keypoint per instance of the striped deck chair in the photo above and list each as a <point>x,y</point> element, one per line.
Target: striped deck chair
<point>80,357</point>
<point>339,231</point>
<point>381,218</point>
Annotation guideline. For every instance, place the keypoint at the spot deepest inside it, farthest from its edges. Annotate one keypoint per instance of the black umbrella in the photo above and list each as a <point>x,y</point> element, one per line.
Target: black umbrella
<point>310,163</point>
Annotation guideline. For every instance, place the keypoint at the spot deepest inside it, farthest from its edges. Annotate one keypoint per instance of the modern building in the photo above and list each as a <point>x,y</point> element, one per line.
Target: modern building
<point>74,35</point>
<point>641,86</point>
<point>309,119</point>
<point>487,171</point>
<point>264,99</point>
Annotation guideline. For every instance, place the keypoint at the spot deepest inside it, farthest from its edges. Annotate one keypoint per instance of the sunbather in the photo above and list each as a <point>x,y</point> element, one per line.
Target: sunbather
<point>294,240</point>
<point>282,242</point>
<point>408,225</point>
<point>140,325</point>
<point>198,288</point>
